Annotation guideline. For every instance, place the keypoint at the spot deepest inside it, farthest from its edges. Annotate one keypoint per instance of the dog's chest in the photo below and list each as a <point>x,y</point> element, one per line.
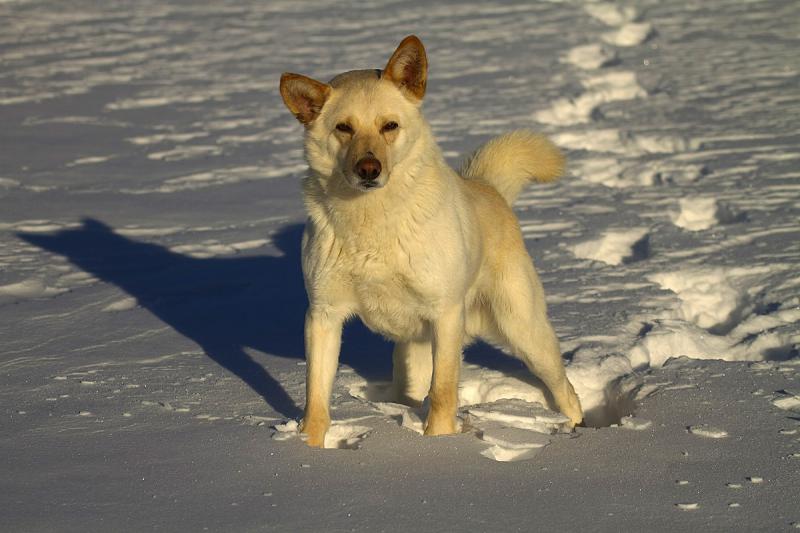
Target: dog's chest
<point>395,290</point>
<point>395,273</point>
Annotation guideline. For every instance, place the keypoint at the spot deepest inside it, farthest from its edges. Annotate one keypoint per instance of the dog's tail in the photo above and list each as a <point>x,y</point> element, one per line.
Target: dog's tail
<point>511,161</point>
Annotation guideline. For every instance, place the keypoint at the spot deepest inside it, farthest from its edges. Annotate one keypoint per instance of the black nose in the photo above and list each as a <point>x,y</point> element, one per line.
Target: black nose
<point>368,168</point>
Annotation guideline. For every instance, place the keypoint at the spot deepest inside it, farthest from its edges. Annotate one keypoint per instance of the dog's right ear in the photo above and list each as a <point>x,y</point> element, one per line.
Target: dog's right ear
<point>303,96</point>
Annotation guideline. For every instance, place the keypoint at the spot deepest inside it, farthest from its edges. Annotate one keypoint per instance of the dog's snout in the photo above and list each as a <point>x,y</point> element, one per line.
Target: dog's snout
<point>368,167</point>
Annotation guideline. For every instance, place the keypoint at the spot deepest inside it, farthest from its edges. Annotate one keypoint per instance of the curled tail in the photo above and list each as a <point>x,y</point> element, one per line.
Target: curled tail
<point>511,161</point>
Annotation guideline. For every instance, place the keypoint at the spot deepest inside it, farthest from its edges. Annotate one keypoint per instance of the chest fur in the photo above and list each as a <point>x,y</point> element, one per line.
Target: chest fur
<point>394,289</point>
<point>395,266</point>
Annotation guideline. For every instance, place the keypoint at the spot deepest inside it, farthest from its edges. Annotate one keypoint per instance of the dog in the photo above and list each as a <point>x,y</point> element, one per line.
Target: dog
<point>425,256</point>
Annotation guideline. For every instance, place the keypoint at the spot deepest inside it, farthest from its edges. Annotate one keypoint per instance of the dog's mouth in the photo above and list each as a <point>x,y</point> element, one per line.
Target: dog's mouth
<point>366,185</point>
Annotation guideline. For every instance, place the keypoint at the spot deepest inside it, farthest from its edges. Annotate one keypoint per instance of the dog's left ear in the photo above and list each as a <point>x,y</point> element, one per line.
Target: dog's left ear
<point>303,96</point>
<point>408,67</point>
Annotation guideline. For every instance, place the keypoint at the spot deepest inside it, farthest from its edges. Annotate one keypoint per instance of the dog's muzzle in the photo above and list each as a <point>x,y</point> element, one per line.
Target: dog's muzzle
<point>368,168</point>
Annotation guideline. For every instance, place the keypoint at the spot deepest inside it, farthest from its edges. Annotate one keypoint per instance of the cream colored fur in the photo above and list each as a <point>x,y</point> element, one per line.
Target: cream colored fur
<point>422,255</point>
<point>511,161</point>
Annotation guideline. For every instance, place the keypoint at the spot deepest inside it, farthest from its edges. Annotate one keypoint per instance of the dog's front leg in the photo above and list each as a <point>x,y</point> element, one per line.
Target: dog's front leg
<point>323,335</point>
<point>448,338</point>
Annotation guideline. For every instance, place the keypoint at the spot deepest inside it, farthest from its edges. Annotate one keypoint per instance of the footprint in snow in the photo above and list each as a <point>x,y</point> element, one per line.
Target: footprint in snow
<point>341,435</point>
<point>636,424</point>
<point>688,506</point>
<point>616,247</point>
<point>709,432</point>
<point>787,401</point>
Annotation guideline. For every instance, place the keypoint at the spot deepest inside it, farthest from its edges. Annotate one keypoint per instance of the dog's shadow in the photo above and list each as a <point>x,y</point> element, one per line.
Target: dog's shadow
<point>228,304</point>
<point>223,304</point>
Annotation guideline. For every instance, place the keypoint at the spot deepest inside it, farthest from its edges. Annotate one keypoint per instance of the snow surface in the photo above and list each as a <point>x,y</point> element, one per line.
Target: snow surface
<point>151,303</point>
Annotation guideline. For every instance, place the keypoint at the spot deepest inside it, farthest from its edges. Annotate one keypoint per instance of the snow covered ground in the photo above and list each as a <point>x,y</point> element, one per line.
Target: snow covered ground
<point>151,304</point>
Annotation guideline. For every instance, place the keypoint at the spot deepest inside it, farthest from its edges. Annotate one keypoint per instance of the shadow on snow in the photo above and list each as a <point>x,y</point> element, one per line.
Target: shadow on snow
<point>228,304</point>
<point>222,304</point>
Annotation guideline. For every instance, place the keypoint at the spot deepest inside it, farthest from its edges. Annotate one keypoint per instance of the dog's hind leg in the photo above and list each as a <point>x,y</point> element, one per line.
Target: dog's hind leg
<point>412,370</point>
<point>520,315</point>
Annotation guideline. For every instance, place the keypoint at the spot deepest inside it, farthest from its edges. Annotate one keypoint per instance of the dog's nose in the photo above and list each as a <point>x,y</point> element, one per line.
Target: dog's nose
<point>368,167</point>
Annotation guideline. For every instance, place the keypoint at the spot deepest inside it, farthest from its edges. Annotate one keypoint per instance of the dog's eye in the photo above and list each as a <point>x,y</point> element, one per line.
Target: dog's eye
<point>344,128</point>
<point>389,126</point>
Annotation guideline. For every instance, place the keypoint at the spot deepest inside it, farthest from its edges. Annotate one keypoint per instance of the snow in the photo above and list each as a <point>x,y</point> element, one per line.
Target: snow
<point>619,142</point>
<point>599,89</point>
<point>630,34</point>
<point>616,246</point>
<point>788,401</point>
<point>611,14</point>
<point>697,214</point>
<point>151,305</point>
<point>591,56</point>
<point>125,304</point>
<point>30,288</point>
<point>706,431</point>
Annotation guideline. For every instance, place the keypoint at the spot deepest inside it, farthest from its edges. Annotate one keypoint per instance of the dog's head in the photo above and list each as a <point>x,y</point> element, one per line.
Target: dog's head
<point>363,123</point>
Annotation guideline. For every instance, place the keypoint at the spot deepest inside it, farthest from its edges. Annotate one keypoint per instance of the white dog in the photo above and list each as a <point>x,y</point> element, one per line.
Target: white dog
<point>427,257</point>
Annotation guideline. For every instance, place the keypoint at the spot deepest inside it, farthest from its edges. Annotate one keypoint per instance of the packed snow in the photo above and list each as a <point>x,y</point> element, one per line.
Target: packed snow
<point>151,302</point>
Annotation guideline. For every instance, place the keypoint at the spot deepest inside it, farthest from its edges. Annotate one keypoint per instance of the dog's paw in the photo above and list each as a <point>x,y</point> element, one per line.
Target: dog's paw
<point>440,425</point>
<point>313,431</point>
<point>570,406</point>
<point>315,441</point>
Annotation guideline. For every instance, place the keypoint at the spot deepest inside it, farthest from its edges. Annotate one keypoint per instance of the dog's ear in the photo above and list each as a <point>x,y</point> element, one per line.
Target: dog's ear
<point>303,96</point>
<point>408,67</point>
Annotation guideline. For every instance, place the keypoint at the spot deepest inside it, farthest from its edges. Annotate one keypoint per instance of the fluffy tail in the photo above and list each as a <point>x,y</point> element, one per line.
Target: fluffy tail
<point>511,161</point>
